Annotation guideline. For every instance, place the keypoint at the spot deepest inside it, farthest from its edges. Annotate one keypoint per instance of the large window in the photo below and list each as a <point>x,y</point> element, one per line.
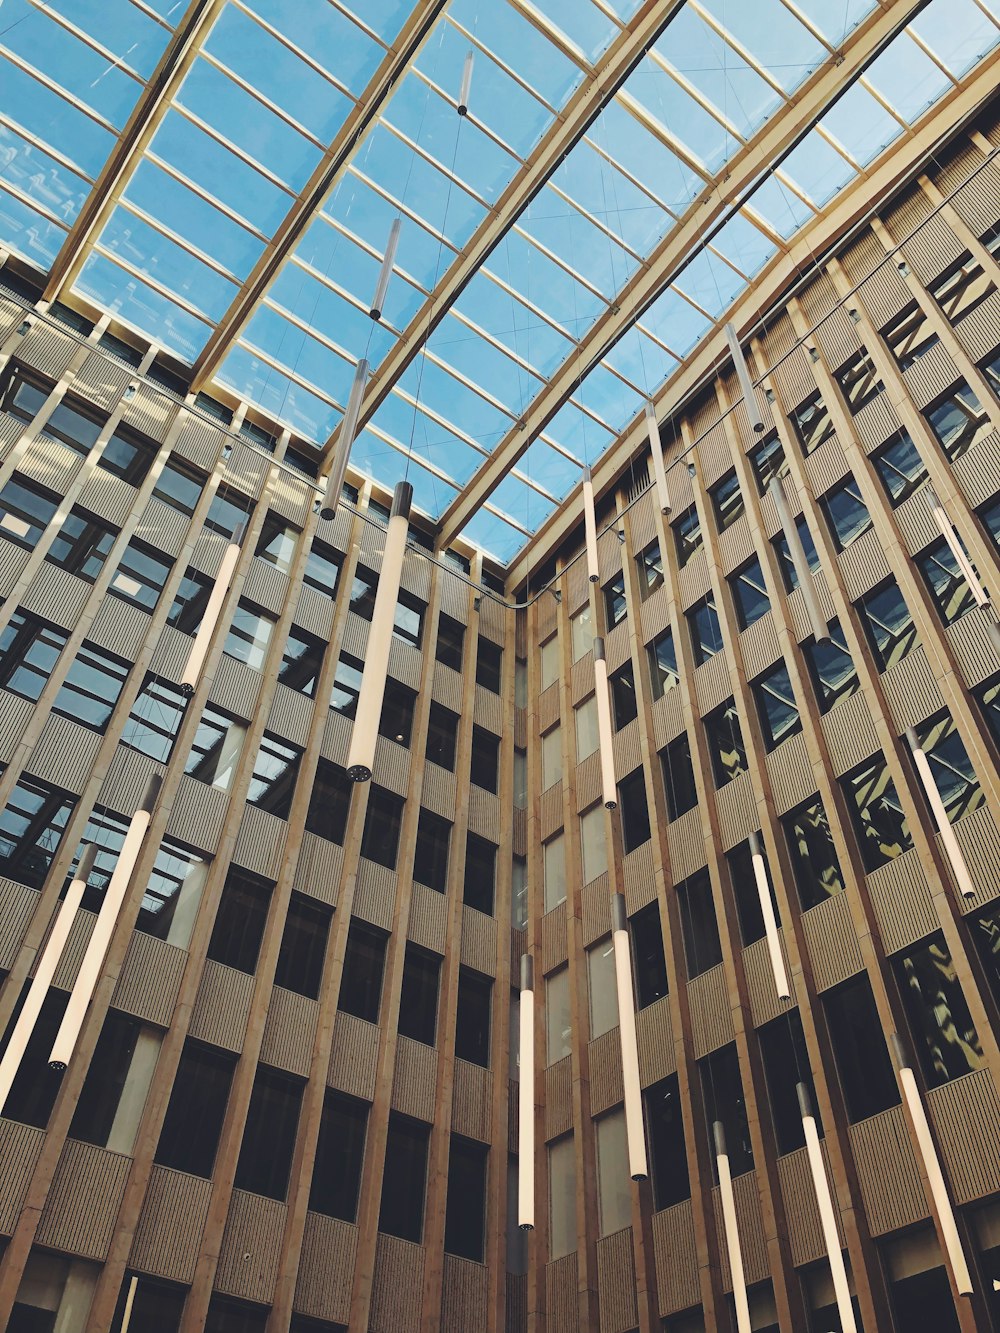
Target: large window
<point>472,1022</point>
<point>140,576</point>
<point>581,627</point>
<point>81,544</point>
<point>442,736</point>
<point>858,381</point>
<point>776,707</point>
<point>909,336</point>
<point>179,486</point>
<point>340,1153</point>
<point>91,687</point>
<point>562,1198</point>
<point>558,1018</point>
<point>34,1088</point>
<point>450,642</point>
<point>554,871</point>
<point>614,1202</point>
<point>396,719</point>
<point>128,456</point>
<point>749,916</point>
<point>31,826</point>
<point>649,568</point>
<point>634,810</point>
<point>768,462</point>
<point>29,649</point>
<point>945,582</point>
<point>814,857</point>
<point>812,423</point>
<point>240,921</point>
<point>623,701</point>
<point>485,769</point>
<point>276,543</point>
<point>944,1035</point>
<point>846,513</point>
<point>418,1000</point>
<point>25,511</point>
<point>188,608</point>
<point>959,421</point>
<point>249,634</point>
<point>301,661</point>
<point>951,768</point>
<point>480,873</point>
<point>678,777</point>
<point>702,947</point>
<point>899,468</point>
<point>665,1129</point>
<point>274,773</point>
<point>724,738</point>
<point>615,604</point>
<point>404,1179</point>
<point>834,675</point>
<point>749,593</point>
<point>722,1092</point>
<point>265,1161</point>
<point>859,1049</point>
<point>383,820</point>
<point>706,633</point>
<point>601,987</point>
<point>465,1207</point>
<point>303,947</point>
<point>593,843</point>
<point>216,748</point>
<point>789,574</point>
<point>727,501</point>
<point>489,660</point>
<point>228,513</point>
<point>111,1101</point>
<point>322,570</point>
<point>648,960</point>
<point>878,818</point>
<point>347,685</point>
<point>361,979</point>
<point>887,623</point>
<point>192,1126</point>
<point>430,858</point>
<point>688,536</point>
<point>663,673</point>
<point>961,288</point>
<point>786,1063</point>
<point>587,738</point>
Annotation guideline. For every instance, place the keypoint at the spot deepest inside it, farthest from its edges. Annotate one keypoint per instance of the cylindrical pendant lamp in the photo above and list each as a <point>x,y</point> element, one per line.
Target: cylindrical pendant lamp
<point>385,273</point>
<point>770,924</point>
<point>743,375</point>
<point>361,754</point>
<point>345,440</point>
<point>634,1129</point>
<point>943,522</point>
<point>526,1099</point>
<point>932,1166</point>
<point>44,972</point>
<point>796,550</point>
<point>656,450</point>
<point>463,96</point>
<point>602,696</point>
<point>827,1216</point>
<point>731,1228</point>
<point>948,840</point>
<point>104,927</point>
<point>590,528</point>
<point>213,609</point>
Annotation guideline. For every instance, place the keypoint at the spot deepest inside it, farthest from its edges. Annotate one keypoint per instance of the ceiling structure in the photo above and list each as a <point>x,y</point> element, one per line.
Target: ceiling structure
<point>222,176</point>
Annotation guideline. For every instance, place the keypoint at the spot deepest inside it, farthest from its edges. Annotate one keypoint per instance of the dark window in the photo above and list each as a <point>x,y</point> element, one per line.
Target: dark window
<point>961,288</point>
<point>340,1155</point>
<point>472,1021</point>
<point>702,948</point>
<point>485,769</point>
<point>35,1086</point>
<point>634,810</point>
<point>480,873</point>
<point>623,701</point>
<point>668,1156</point>
<point>442,736</point>
<point>303,947</point>
<point>430,857</point>
<point>228,513</point>
<point>706,633</point>
<point>301,661</point>
<point>647,956</point>
<point>786,1063</point>
<point>834,675</point>
<point>958,421</point>
<point>128,456</point>
<point>649,567</point>
<point>989,516</point>
<point>846,513</point>
<point>812,423</point>
<point>156,716</point>
<point>240,921</point>
<point>274,773</point>
<point>725,743</point>
<point>193,1123</point>
<point>727,501</point>
<point>396,719</point>
<point>383,819</point>
<point>75,424</point>
<point>688,536</point>
<point>249,634</point>
<point>946,583</point>
<point>859,381</point>
<point>140,576</point>
<point>887,623</point>
<point>25,511</point>
<point>179,487</point>
<point>361,980</point>
<point>722,1092</point>
<point>91,687</point>
<point>346,685</point>
<point>678,777</point>
<point>404,1179</point>
<point>29,649</point>
<point>322,569</point>
<point>899,468</point>
<point>265,1161</point>
<point>879,823</point>
<point>951,768</point>
<point>615,605</point>
<point>188,608</point>
<point>749,593</point>
<point>744,885</point>
<point>276,543</point>
<point>663,671</point>
<point>31,827</point>
<point>107,1072</point>
<point>450,642</point>
<point>909,336</point>
<point>156,1307</point>
<point>408,623</point>
<point>228,1316</point>
<point>215,749</point>
<point>768,462</point>
<point>944,1035</point>
<point>789,575</point>
<point>814,857</point>
<point>363,592</point>
<point>985,930</point>
<point>465,1210</point>
<point>924,1300</point>
<point>24,395</point>
<point>859,1049</point>
<point>81,545</point>
<point>489,659</point>
<point>418,1001</point>
<point>779,716</point>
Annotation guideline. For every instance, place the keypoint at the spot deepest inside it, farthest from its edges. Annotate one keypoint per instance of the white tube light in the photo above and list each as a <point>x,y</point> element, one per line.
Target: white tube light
<point>388,259</point>
<point>213,609</point>
<point>44,972</point>
<point>948,839</point>
<point>526,1099</point>
<point>827,1216</point>
<point>746,384</point>
<point>361,755</point>
<point>961,559</point>
<point>104,927</point>
<point>770,924</point>
<point>820,629</point>
<point>345,440</point>
<point>732,1230</point>
<point>656,450</point>
<point>932,1166</point>
<point>590,528</point>
<point>634,1128</point>
<point>463,96</point>
<point>606,745</point>
<point>129,1302</point>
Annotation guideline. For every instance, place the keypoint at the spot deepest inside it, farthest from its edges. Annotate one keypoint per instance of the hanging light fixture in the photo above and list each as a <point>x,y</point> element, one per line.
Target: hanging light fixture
<point>940,517</point>
<point>213,609</point>
<point>463,96</point>
<point>44,972</point>
<point>605,743</point>
<point>345,440</point>
<point>820,629</point>
<point>104,926</point>
<point>590,528</point>
<point>526,1098</point>
<point>361,754</point>
<point>656,450</point>
<point>932,1167</point>
<point>731,1229</point>
<point>950,843</point>
<point>746,384</point>
<point>770,924</point>
<point>827,1216</point>
<point>634,1129</point>
<point>385,273</point>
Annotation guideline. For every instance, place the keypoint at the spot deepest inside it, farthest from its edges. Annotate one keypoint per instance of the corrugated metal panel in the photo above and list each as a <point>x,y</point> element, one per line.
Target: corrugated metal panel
<point>446,687</point>
<point>978,331</point>
<point>737,811</point>
<point>397,1283</point>
<point>291,498</point>
<point>550,811</point>
<point>979,840</point>
<point>711,1018</point>
<point>805,1233</point>
<point>472,1101</point>
<point>479,941</point>
<point>289,1031</point>
<point>588,782</point>
<point>677,1283</point>
<point>260,842</point>
<point>168,1236</point>
<point>970,641</point>
<point>149,980</point>
<point>336,737</point>
<point>888,1176</point>
<point>686,843</point>
<point>314,611</point>
<point>20,1146</point>
<point>876,422</point>
<point>759,645</point>
<point>414,1079</point>
<point>561,1299</point>
<point>638,877</point>
<point>439,790</point>
<point>850,733</point>
<point>764,1002</point>
<point>616,1286</point>
<point>102,380</point>
<point>291,714</point>
<point>354,1056</point>
<point>17,904</point>
<point>516,1303</point>
<point>655,1040</point>
<point>318,869</point>
<point>120,627</point>
<point>374,894</point>
<point>901,897</point>
<point>554,938</point>
<point>199,442</point>
<point>151,412</point>
<point>326,1268</point>
<point>750,1224</point>
<point>712,683</point>
<point>222,1006</point>
<point>56,595</point>
<point>76,945</point>
<point>64,754</point>
<point>251,1247</point>
<point>197,814</point>
<point>171,653</point>
<point>627,748</point>
<point>266,585</point>
<point>863,564</point>
<point>966,1118</point>
<point>487,710</point>
<point>976,470</point>
<point>559,1097</point>
<point>162,526</point>
<point>51,463</point>
<point>606,1086</point>
<point>13,559</point>
<point>236,687</point>
<point>910,689</point>
<point>548,708</point>
<point>428,923</point>
<point>826,466</point>
<point>81,1206</point>
<point>832,942</point>
<point>668,718</point>
<point>931,375</point>
<point>108,496</point>
<point>654,616</point>
<point>483,813</point>
<point>246,469</point>
<point>595,909</point>
<point>735,545</point>
<point>464,1294</point>
<point>209,550</point>
<point>791,774</point>
<point>405,663</point>
<point>693,581</point>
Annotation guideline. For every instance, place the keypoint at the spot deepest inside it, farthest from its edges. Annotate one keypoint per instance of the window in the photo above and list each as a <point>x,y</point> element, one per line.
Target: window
<point>155,1306</point>
<point>465,1208</point>
<point>408,623</point>
<point>946,583</point>
<point>240,921</point>
<point>228,513</point>
<point>265,1161</point>
<point>959,421</point>
<point>648,959</point>
<point>722,1092</point>
<point>554,871</point>
<point>593,844</point>
<point>989,517</point>
<point>768,462</point>
<point>480,873</point>
<point>128,456</point>
<point>551,757</point>
<point>725,743</point>
<point>789,574</point>
<point>322,570</point>
<point>649,568</point>
<point>31,826</point>
<point>985,930</point>
<point>814,857</point>
<point>879,823</point>
<point>663,673</point>
<point>25,511</point>
<point>727,501</point>
<point>678,777</point>
<point>23,394</point>
<point>33,1091</point>
<point>396,718</point>
<point>623,702</point>
<point>346,685</point>
<point>615,605</point>
<point>485,770</point>
<point>846,513</point>
<point>812,423</point>
<point>920,1294</point>
<point>303,947</point>
<point>114,1091</point>
<point>276,543</point>
<point>859,381</point>
<point>688,536</point>
<point>702,948</point>
<point>581,627</point>
<point>706,633</point>
<point>834,675</point>
<point>614,1201</point>
<point>489,658</point>
<point>361,979</point>
<point>363,591</point>
<point>779,716</point>
<point>404,1179</point>
<point>188,608</point>
<point>29,649</point>
<point>988,697</point>
<point>944,1036</point>
<point>231,1316</point>
<point>548,659</point>
<point>961,289</point>
<point>430,857</point>
<point>859,1049</point>
<point>91,687</point>
<point>329,802</point>
<point>744,885</point>
<point>601,987</point>
<point>81,545</point>
<point>274,773</point>
<point>557,1016</point>
<point>587,735</point>
<point>520,778</point>
<point>899,468</point>
<point>991,371</point>
<point>179,487</point>
<point>749,593</point>
<point>249,635</point>
<point>786,1063</point>
<point>442,736</point>
<point>340,1154</point>
<point>383,819</point>
<point>950,765</point>
<point>450,642</point>
<point>562,1197</point>
<point>665,1130</point>
<point>74,423</point>
<point>909,336</point>
<point>140,576</point>
<point>192,1126</point>
<point>887,623</point>
<point>215,751</point>
<point>519,893</point>
<point>301,661</point>
<point>418,1001</point>
<point>472,1022</point>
